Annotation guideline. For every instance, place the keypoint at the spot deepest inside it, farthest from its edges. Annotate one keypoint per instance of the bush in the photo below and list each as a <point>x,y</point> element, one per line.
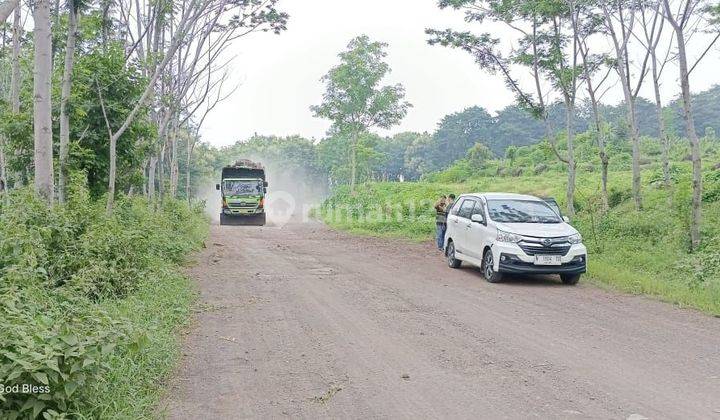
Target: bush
<point>617,196</point>
<point>56,352</point>
<point>62,271</point>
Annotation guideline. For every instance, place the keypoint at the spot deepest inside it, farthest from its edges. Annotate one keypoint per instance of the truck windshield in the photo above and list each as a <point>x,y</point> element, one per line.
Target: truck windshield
<point>521,211</point>
<point>243,187</point>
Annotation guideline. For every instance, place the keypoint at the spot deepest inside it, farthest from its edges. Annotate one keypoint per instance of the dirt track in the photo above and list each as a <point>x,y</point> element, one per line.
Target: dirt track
<point>302,321</point>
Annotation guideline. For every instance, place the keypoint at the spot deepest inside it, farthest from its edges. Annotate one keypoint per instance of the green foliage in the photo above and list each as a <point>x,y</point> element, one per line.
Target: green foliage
<point>59,350</point>
<point>64,271</point>
<point>479,156</point>
<point>354,101</point>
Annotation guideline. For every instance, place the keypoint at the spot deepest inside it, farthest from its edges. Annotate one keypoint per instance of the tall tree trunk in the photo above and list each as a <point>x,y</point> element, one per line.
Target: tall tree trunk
<point>6,8</point>
<point>635,139</point>
<point>145,178</point>
<point>112,174</point>
<point>664,138</point>
<point>152,168</point>
<point>161,174</point>
<point>696,218</point>
<point>604,159</point>
<point>3,167</point>
<point>14,90</point>
<point>188,158</point>
<point>42,113</point>
<point>174,173</point>
<point>569,116</point>
<point>15,72</point>
<point>622,67</point>
<point>64,98</point>
<point>353,162</point>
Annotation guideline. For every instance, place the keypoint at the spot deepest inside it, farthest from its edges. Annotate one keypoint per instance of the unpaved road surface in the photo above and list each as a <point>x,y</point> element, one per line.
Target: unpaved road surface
<point>302,321</point>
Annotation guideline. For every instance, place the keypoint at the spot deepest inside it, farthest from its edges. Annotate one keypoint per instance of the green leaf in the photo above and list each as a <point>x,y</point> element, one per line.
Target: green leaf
<point>70,388</point>
<point>108,348</point>
<point>53,364</point>
<point>40,377</point>
<point>69,339</point>
<point>38,406</point>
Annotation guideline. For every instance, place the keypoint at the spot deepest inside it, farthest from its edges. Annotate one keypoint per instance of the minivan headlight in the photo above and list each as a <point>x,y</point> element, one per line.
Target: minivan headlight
<point>508,237</point>
<point>575,239</point>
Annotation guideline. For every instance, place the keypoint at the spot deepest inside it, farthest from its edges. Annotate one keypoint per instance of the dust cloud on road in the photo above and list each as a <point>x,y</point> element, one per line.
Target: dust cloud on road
<point>302,321</point>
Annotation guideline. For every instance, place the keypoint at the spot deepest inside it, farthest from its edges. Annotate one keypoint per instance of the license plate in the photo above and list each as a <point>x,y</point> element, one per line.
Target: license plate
<point>548,260</point>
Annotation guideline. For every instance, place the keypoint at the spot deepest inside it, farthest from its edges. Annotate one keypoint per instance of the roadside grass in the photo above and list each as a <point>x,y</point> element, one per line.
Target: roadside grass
<point>643,252</point>
<point>137,378</point>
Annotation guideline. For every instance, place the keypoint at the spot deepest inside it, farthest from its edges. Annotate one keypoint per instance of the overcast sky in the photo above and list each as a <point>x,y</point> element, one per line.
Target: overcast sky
<point>279,75</point>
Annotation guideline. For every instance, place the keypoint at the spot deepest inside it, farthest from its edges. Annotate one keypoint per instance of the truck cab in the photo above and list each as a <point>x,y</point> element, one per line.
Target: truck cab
<point>243,188</point>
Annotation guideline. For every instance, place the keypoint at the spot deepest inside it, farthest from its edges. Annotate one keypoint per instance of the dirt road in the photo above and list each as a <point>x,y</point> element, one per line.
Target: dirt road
<point>302,321</point>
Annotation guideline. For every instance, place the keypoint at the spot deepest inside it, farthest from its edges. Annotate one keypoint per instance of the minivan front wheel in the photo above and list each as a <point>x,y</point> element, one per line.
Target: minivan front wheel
<point>488,268</point>
<point>452,262</point>
<point>570,279</point>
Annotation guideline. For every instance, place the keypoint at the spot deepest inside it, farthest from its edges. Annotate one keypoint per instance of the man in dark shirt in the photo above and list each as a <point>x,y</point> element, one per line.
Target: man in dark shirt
<point>441,208</point>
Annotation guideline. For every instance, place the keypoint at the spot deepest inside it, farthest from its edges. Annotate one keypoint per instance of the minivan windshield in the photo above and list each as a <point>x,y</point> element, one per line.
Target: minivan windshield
<point>243,187</point>
<point>521,211</point>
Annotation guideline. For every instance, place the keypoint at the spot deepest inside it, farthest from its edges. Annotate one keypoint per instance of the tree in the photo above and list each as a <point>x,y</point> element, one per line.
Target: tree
<point>679,21</point>
<point>653,29</point>
<point>42,114</point>
<point>585,23</point>
<point>479,155</point>
<point>620,18</point>
<point>511,154</point>
<point>73,14</point>
<point>354,100</point>
<point>458,132</point>
<point>540,25</point>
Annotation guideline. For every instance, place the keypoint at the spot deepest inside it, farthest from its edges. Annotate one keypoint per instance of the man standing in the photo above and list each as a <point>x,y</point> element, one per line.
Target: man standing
<point>440,221</point>
<point>441,208</point>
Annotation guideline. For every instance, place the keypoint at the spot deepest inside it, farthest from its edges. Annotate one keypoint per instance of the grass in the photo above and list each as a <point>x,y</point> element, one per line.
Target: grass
<point>136,381</point>
<point>643,252</point>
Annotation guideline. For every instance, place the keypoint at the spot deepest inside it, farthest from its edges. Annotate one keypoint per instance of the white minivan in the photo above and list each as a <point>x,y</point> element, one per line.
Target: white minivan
<point>513,233</point>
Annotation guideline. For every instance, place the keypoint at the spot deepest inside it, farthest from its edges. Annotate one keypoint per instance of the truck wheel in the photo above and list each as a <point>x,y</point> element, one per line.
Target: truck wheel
<point>452,262</point>
<point>570,279</point>
<point>223,219</point>
<point>261,219</point>
<point>488,269</point>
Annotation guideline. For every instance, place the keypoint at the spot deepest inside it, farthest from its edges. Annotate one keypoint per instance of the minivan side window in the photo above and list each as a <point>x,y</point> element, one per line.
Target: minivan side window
<point>466,209</point>
<point>478,209</point>
<point>456,206</point>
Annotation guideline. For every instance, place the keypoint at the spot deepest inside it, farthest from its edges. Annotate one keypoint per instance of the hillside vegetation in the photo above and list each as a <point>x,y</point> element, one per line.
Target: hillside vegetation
<point>639,252</point>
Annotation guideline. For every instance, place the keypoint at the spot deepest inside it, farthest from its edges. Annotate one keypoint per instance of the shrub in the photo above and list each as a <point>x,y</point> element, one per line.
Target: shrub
<point>61,267</point>
<point>617,196</point>
<point>58,351</point>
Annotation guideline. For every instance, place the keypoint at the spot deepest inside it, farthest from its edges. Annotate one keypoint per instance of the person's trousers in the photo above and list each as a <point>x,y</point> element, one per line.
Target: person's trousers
<point>441,227</point>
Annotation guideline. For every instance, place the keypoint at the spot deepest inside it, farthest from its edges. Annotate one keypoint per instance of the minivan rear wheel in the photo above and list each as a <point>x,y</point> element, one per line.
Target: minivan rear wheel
<point>452,262</point>
<point>488,268</point>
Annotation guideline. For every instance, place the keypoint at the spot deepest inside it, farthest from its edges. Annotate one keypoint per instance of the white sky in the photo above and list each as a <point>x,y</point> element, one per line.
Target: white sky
<point>279,74</point>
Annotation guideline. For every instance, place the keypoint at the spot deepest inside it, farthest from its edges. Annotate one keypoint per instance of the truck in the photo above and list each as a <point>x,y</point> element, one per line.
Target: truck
<point>243,188</point>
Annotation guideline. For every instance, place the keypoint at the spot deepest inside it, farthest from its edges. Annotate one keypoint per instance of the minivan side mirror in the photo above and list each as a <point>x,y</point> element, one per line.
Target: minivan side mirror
<point>217,187</point>
<point>566,219</point>
<point>477,218</point>
<point>265,184</point>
